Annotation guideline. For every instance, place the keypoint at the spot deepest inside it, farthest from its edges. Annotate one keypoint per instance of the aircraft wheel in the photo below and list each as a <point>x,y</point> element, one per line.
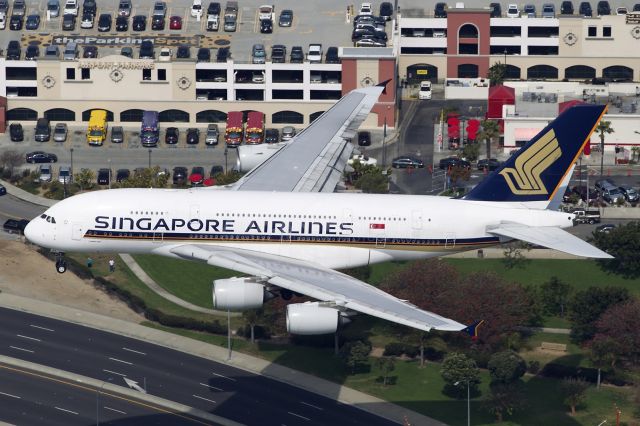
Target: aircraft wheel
<point>61,266</point>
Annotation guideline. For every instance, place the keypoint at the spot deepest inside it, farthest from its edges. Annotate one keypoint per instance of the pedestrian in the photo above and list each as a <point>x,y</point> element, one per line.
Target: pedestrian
<point>112,265</point>
<point>89,262</point>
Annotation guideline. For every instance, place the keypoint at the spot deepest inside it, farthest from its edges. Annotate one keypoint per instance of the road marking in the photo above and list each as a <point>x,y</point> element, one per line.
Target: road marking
<point>298,415</point>
<point>311,405</point>
<point>114,372</point>
<point>41,328</point>
<point>8,394</point>
<point>119,360</point>
<point>113,409</point>
<point>135,352</point>
<point>224,377</point>
<point>27,337</point>
<point>211,387</point>
<point>21,349</point>
<point>201,397</point>
<point>67,411</point>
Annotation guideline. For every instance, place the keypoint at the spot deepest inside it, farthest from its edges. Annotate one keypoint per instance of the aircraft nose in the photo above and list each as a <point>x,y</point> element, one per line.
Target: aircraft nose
<point>32,233</point>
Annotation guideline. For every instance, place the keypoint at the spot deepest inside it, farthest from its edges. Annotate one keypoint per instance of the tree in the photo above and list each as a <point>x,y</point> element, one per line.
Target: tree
<point>252,316</point>
<point>471,151</point>
<point>555,295</point>
<point>152,177</point>
<point>586,306</point>
<point>84,179</point>
<point>458,368</point>
<point>386,366</point>
<point>574,392</point>
<point>604,128</point>
<point>228,178</point>
<point>617,328</point>
<point>10,159</point>
<point>623,243</point>
<point>601,354</point>
<point>490,131</point>
<point>506,367</point>
<point>497,73</point>
<point>355,354</point>
<point>513,257</point>
<point>504,398</point>
<point>373,183</point>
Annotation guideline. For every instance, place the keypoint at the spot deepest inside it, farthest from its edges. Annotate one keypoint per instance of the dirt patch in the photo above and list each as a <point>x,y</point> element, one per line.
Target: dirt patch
<point>24,272</point>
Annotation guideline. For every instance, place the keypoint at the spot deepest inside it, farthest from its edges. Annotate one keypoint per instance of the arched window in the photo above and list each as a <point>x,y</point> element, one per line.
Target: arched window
<point>131,115</point>
<point>579,72</point>
<point>22,114</point>
<point>468,31</point>
<point>420,72</point>
<point>60,114</point>
<point>542,72</point>
<point>211,116</point>
<point>618,72</point>
<point>468,71</point>
<point>512,72</point>
<point>315,115</point>
<point>288,117</point>
<point>174,116</point>
<point>87,114</point>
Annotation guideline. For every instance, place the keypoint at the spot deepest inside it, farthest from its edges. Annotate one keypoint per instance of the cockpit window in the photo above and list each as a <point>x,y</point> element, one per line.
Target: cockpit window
<point>43,216</point>
<point>48,218</point>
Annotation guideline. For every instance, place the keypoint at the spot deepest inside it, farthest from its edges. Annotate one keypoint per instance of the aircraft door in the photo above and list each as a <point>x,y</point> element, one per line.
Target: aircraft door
<point>77,231</point>
<point>450,240</point>
<point>416,219</point>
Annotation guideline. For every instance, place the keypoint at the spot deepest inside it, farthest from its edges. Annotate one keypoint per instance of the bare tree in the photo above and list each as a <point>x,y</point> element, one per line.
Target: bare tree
<point>11,159</point>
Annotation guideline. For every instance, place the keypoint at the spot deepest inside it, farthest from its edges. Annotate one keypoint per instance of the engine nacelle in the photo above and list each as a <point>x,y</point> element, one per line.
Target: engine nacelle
<point>310,318</point>
<point>249,156</point>
<point>238,294</point>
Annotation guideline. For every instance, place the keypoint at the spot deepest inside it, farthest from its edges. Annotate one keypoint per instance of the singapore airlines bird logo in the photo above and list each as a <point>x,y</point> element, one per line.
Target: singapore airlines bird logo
<point>525,179</point>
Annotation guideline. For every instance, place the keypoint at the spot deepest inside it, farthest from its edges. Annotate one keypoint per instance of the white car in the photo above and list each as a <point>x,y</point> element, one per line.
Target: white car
<point>196,8</point>
<point>315,53</point>
<point>266,12</point>
<point>513,11</point>
<point>363,159</point>
<point>621,10</point>
<point>425,90</point>
<point>3,21</point>
<point>71,7</point>
<point>87,21</point>
<point>165,54</point>
<point>366,9</point>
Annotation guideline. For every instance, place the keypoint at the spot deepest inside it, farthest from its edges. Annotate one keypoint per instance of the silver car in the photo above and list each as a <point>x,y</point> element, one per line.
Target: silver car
<point>53,7</point>
<point>64,174</point>
<point>288,132</point>
<point>60,132</point>
<point>45,172</point>
<point>548,10</point>
<point>258,54</point>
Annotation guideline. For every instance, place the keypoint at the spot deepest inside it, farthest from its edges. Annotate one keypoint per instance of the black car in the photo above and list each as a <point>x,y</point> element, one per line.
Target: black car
<point>604,8</point>
<point>585,9</point>
<point>41,157</point>
<point>183,52</point>
<point>103,176</point>
<point>15,23</point>
<point>179,175</point>
<point>90,52</point>
<point>272,136</point>
<point>122,23</point>
<point>68,22</point>
<point>171,136</point>
<point>104,22</point>
<point>386,10</point>
<point>297,55</point>
<point>139,23</point>
<point>214,8</point>
<point>406,161</point>
<point>488,164</point>
<point>224,53</point>
<point>32,52</point>
<point>215,171</point>
<point>364,138</point>
<point>146,50</point>
<point>496,10</point>
<point>266,26</point>
<point>157,23</point>
<point>193,136</point>
<point>566,8</point>
<point>33,22</point>
<point>448,162</point>
<point>204,54</point>
<point>278,54</point>
<point>13,50</point>
<point>331,57</point>
<point>16,132</point>
<point>3,190</point>
<point>4,6</point>
<point>127,51</point>
<point>286,18</point>
<point>636,7</point>
<point>122,174</point>
<point>606,228</point>
<point>440,11</point>
<point>15,226</point>
<point>89,6</point>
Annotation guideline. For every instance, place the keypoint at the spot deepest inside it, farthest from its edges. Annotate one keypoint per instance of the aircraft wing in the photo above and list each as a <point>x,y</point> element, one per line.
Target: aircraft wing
<point>316,157</point>
<point>550,237</point>
<point>320,283</point>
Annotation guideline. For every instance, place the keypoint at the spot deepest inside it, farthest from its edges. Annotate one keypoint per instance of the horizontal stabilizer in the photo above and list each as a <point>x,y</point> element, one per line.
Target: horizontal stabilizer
<point>550,237</point>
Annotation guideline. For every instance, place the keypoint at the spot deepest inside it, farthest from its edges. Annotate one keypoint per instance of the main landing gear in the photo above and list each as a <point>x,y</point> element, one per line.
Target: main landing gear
<point>61,264</point>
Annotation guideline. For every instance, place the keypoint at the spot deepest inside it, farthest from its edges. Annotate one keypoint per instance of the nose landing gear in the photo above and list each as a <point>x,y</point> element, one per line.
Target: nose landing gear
<point>61,264</point>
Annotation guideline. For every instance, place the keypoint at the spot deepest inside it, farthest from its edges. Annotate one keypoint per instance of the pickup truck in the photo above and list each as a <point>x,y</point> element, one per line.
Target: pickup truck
<point>15,225</point>
<point>213,22</point>
<point>586,216</point>
<point>315,53</point>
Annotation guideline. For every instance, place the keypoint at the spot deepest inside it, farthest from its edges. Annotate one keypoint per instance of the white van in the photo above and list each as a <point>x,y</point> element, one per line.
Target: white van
<point>425,90</point>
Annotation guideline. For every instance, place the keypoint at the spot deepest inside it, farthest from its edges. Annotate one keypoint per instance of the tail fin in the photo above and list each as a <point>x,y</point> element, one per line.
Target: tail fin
<point>539,169</point>
<point>472,330</point>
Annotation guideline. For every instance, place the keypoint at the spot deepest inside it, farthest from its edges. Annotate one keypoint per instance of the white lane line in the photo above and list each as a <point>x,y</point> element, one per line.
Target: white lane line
<point>27,337</point>
<point>311,405</point>
<point>67,411</point>
<point>12,396</point>
<point>113,409</point>
<point>41,328</point>
<point>298,415</point>
<point>119,360</point>
<point>224,377</point>
<point>21,349</point>
<point>135,352</point>
<point>114,372</point>
<point>211,387</point>
<point>201,397</point>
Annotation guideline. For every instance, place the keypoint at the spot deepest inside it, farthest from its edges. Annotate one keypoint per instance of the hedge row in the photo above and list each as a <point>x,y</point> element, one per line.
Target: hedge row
<point>399,349</point>
<point>561,371</point>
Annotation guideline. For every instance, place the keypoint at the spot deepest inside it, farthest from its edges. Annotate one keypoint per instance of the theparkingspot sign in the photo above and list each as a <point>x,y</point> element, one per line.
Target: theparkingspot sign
<point>123,40</point>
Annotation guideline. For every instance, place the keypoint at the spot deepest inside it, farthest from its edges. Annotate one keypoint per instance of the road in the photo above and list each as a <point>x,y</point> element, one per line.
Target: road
<point>196,382</point>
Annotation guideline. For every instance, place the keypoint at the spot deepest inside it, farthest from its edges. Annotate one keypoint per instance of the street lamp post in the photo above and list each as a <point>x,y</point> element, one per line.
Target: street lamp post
<point>149,157</point>
<point>229,333</point>
<point>505,60</point>
<point>384,141</point>
<point>71,171</point>
<point>226,165</point>
<point>468,399</point>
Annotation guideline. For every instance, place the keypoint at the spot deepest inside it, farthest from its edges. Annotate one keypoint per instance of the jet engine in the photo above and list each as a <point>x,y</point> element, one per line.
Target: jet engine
<point>311,318</point>
<point>239,294</point>
<point>249,156</point>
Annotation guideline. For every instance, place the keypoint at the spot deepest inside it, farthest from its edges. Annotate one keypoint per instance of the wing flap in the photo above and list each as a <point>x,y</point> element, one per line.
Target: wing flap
<point>550,237</point>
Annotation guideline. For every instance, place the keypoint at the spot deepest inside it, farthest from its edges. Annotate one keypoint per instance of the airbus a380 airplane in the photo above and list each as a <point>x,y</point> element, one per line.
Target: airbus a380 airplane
<point>282,225</point>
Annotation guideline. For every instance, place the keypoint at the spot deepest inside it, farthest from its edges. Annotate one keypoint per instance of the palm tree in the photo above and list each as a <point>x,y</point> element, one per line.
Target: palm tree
<point>490,130</point>
<point>604,128</point>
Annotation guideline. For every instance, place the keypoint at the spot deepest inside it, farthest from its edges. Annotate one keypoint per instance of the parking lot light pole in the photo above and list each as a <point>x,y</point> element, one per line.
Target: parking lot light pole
<point>71,171</point>
<point>149,157</point>
<point>384,141</point>
<point>226,165</point>
<point>468,399</point>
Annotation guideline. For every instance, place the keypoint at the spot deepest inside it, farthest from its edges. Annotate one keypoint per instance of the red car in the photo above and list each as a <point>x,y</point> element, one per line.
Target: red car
<point>175,23</point>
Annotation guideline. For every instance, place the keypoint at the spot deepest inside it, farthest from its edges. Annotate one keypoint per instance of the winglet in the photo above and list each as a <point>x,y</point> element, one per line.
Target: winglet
<point>383,84</point>
<point>472,329</point>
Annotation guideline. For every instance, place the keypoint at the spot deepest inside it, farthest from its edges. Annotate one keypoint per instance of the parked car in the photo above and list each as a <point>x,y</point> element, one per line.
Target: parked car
<point>193,136</point>
<point>33,22</point>
<point>364,138</point>
<point>197,175</point>
<point>211,138</point>
<point>64,174</point>
<point>16,133</point>
<point>160,9</point>
<point>258,54</point>
<point>513,11</point>
<point>124,8</point>
<point>286,18</point>
<point>146,50</point>
<point>386,10</point>
<point>40,157</point>
<point>14,51</point>
<point>566,8</point>
<point>183,52</point>
<point>204,54</point>
<point>68,22</point>
<point>496,10</point>
<point>46,173</point>
<point>104,22</point>
<point>406,161</point>
<point>171,136</point>
<point>224,53</point>
<point>175,23</point>
<point>139,23</point>
<point>266,26</point>
<point>630,193</point>
<point>272,136</point>
<point>448,162</point>
<point>331,57</point>
<point>122,23</point>
<point>87,20</point>
<point>157,23</point>
<point>90,52</point>
<point>122,175</point>
<point>288,132</point>
<point>362,159</point>
<point>548,10</point>
<point>529,10</point>
<point>19,7</point>
<point>104,175</point>
<point>604,8</point>
<point>297,55</point>
<point>488,164</point>
<point>32,52</point>
<point>585,9</point>
<point>127,51</point>
<point>15,23</point>
<point>117,134</point>
<point>278,54</point>
<point>53,7</point>
<point>314,55</point>
<point>15,226</point>
<point>606,228</point>
<point>3,190</point>
<point>60,132</point>
<point>165,54</point>
<point>179,175</point>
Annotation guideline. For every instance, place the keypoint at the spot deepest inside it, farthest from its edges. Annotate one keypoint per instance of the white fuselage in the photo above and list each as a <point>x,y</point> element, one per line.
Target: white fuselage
<point>335,230</point>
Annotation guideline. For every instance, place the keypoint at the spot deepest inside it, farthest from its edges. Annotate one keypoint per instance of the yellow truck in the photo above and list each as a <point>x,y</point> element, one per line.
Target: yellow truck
<point>97,131</point>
